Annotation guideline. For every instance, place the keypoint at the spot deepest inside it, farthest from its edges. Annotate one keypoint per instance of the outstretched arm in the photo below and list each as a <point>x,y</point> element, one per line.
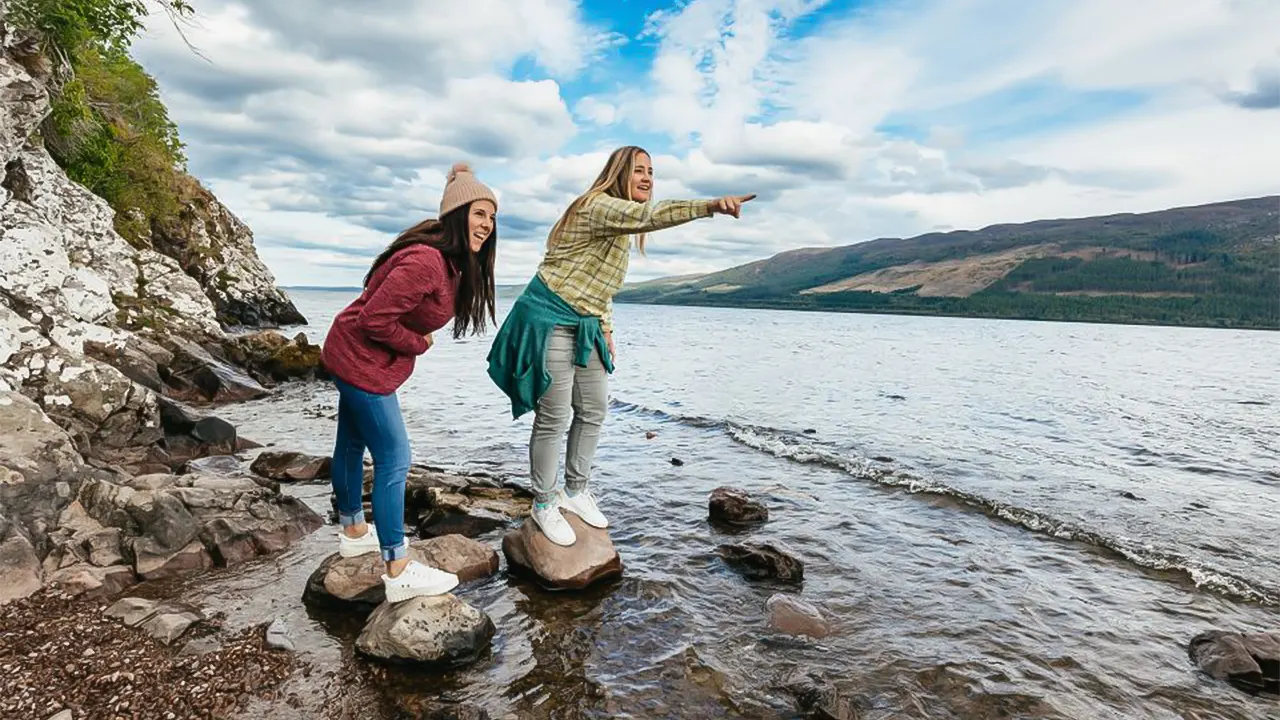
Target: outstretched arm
<point>608,216</point>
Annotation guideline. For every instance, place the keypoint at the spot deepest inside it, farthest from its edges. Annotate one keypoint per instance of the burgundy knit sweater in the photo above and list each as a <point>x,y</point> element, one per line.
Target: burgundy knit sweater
<point>374,342</point>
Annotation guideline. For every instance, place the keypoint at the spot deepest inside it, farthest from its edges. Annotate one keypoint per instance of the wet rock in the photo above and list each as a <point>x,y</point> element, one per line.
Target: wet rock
<point>171,621</point>
<point>274,358</point>
<point>502,501</point>
<point>190,435</point>
<point>677,462</point>
<point>792,616</point>
<point>590,560</point>
<point>762,561</point>
<point>197,376</point>
<point>132,611</point>
<point>731,506</point>
<point>20,574</point>
<point>453,712</point>
<point>466,558</point>
<point>439,630</point>
<point>472,522</point>
<point>440,503</point>
<point>356,583</point>
<point>291,466</point>
<point>215,432</point>
<point>176,418</point>
<point>33,448</point>
<point>278,637</point>
<point>1250,662</point>
<point>818,699</point>
<point>215,465</point>
<point>164,621</point>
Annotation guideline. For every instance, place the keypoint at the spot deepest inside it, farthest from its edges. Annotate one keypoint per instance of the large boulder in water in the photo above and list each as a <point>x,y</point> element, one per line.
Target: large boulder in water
<point>437,630</point>
<point>1250,662</point>
<point>792,616</point>
<point>356,583</point>
<point>591,559</point>
<point>763,561</point>
<point>731,506</point>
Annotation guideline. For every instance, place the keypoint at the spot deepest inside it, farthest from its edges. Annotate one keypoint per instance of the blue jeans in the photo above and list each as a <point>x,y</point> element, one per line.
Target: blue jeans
<point>366,420</point>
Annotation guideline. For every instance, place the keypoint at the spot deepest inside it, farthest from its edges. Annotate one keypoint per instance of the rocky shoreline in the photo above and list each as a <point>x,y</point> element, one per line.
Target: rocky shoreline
<point>117,477</point>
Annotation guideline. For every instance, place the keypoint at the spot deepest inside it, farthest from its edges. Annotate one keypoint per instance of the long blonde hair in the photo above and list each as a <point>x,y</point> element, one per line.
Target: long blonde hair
<point>614,180</point>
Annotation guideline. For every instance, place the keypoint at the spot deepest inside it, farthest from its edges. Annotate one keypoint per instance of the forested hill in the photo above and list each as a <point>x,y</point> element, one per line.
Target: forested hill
<point>1210,265</point>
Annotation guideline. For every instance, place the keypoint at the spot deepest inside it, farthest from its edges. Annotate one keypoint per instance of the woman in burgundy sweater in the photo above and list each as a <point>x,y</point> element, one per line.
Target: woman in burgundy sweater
<point>436,271</point>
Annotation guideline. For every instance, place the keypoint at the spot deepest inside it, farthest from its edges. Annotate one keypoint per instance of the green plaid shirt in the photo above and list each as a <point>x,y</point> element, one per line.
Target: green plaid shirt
<point>587,262</point>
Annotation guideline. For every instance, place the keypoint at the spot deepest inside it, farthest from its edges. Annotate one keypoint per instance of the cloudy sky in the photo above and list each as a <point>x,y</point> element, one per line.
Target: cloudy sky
<point>329,126</point>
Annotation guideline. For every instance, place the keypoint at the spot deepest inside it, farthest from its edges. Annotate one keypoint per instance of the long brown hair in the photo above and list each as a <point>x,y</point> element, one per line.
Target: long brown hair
<point>450,235</point>
<point>614,179</point>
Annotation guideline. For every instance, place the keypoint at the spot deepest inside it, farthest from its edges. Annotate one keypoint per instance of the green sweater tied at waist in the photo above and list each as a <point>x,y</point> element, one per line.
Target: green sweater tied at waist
<point>518,356</point>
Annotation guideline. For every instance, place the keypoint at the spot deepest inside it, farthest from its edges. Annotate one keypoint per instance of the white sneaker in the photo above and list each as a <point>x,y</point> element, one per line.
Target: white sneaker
<point>416,580</point>
<point>553,524</point>
<point>584,506</point>
<point>353,547</point>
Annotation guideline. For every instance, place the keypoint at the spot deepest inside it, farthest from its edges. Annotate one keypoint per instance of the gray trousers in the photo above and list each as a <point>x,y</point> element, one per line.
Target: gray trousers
<point>582,391</point>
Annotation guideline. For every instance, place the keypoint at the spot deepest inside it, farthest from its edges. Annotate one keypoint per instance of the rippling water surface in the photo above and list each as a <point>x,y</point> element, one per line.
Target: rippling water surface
<point>1003,519</point>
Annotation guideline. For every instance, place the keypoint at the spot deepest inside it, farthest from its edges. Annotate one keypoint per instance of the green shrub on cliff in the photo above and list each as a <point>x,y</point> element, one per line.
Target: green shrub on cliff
<point>108,128</point>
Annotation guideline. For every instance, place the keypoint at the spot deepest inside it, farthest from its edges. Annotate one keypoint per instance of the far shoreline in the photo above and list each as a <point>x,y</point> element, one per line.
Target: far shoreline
<point>766,305</point>
<point>513,290</point>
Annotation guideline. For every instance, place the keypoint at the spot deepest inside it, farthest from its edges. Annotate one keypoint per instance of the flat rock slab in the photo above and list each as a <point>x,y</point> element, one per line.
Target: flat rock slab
<point>92,581</point>
<point>590,560</point>
<point>356,583</point>
<point>439,630</point>
<point>165,622</point>
<point>278,637</point>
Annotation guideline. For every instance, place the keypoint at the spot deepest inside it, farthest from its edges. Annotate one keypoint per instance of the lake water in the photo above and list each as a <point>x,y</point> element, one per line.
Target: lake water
<point>1001,518</point>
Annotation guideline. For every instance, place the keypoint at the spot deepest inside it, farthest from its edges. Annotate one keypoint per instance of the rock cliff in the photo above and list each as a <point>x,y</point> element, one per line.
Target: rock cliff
<point>104,347</point>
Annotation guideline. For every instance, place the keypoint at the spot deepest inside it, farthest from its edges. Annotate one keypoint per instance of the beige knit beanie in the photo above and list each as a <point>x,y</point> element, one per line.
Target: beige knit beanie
<point>462,187</point>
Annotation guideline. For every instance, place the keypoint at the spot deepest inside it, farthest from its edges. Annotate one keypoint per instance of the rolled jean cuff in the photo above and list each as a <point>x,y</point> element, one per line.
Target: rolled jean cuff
<point>355,518</point>
<point>396,552</point>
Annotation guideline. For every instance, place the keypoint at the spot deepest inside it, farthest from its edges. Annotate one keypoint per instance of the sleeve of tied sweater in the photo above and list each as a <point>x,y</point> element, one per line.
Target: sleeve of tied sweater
<point>609,216</point>
<point>406,284</point>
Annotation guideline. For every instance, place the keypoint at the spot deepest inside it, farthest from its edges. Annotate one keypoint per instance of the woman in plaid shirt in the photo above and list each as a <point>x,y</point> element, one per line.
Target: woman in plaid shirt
<point>555,350</point>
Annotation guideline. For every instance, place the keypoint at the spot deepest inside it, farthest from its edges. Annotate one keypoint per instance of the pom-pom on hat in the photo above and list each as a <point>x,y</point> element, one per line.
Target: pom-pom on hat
<point>462,187</point>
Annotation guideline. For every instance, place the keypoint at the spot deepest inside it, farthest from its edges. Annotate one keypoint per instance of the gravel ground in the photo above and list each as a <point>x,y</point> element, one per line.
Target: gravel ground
<point>58,654</point>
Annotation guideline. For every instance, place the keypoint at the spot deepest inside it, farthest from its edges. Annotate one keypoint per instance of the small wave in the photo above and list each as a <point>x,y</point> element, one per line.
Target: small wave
<point>797,447</point>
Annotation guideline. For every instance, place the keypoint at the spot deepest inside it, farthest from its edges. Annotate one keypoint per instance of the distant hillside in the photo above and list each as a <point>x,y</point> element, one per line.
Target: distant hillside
<point>1210,265</point>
